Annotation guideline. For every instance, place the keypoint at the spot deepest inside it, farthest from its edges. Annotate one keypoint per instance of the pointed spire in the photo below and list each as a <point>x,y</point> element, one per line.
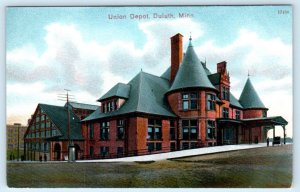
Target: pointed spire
<point>249,97</point>
<point>190,39</point>
<point>191,73</point>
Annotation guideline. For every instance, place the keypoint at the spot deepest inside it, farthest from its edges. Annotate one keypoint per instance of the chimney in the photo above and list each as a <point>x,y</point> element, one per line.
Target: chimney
<point>176,55</point>
<point>221,67</point>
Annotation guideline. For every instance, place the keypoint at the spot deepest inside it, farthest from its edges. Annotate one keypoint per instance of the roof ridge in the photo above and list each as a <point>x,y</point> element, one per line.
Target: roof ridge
<point>155,76</point>
<point>82,103</point>
<point>50,105</point>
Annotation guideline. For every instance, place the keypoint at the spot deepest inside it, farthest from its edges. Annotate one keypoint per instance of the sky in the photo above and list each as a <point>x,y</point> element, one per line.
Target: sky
<point>49,49</point>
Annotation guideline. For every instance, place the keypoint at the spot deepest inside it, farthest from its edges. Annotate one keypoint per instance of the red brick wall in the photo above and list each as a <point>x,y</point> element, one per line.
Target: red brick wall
<point>132,134</point>
<point>252,113</point>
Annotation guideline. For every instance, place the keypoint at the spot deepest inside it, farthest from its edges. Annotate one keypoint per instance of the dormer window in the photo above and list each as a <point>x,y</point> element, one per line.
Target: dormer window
<point>189,101</point>
<point>110,105</point>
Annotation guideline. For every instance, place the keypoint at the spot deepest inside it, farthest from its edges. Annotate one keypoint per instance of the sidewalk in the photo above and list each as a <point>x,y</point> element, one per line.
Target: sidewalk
<point>177,154</point>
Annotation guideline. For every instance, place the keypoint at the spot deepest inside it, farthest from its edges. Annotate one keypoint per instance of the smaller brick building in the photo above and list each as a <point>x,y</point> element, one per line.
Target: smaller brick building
<point>47,134</point>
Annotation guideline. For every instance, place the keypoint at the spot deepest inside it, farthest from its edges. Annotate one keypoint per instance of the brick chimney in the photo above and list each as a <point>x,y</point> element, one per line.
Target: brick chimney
<point>176,55</point>
<point>221,67</point>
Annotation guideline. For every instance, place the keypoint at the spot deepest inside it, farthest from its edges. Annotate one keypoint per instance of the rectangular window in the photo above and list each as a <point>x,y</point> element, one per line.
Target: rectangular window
<point>189,101</point>
<point>189,129</point>
<point>225,112</point>
<point>210,129</point>
<point>104,151</point>
<point>237,114</point>
<point>264,113</point>
<point>225,93</point>
<point>91,131</point>
<point>150,147</point>
<point>104,131</point>
<point>173,146</point>
<point>120,151</point>
<point>91,152</point>
<point>158,146</point>
<point>154,130</point>
<point>172,130</point>
<point>210,102</point>
<point>47,124</point>
<point>120,130</point>
<point>185,145</point>
<point>154,146</point>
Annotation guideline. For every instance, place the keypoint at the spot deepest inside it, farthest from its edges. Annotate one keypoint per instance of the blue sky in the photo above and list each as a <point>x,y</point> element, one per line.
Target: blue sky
<point>25,25</point>
<point>52,48</point>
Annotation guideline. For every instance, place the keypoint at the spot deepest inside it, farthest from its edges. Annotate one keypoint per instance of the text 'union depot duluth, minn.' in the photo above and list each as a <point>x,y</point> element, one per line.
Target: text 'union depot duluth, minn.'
<point>149,16</point>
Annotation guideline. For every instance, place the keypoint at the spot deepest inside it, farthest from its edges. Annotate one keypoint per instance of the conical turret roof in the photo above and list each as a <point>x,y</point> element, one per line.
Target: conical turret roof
<point>249,98</point>
<point>191,73</point>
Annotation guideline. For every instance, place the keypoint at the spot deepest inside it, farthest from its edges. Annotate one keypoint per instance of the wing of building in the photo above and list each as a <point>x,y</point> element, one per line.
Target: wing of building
<point>47,134</point>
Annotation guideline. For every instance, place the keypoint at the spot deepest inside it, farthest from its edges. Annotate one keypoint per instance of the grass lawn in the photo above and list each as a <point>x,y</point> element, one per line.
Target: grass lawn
<point>14,153</point>
<point>261,167</point>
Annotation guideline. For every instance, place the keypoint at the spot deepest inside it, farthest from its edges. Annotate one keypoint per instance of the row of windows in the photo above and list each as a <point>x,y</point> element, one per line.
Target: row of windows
<point>190,101</point>
<point>225,113</point>
<point>41,125</point>
<point>189,130</point>
<point>38,146</point>
<point>104,130</point>
<point>42,117</point>
<point>43,134</point>
<point>104,151</point>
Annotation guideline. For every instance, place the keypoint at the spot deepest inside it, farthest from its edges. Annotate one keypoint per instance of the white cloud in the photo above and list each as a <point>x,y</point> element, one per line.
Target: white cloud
<point>90,68</point>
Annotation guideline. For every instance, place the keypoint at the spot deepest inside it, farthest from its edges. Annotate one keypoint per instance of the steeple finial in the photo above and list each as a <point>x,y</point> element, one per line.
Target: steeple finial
<point>248,74</point>
<point>190,36</point>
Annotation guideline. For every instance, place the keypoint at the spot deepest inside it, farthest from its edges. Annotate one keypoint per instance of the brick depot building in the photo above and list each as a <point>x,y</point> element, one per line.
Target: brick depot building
<point>186,107</point>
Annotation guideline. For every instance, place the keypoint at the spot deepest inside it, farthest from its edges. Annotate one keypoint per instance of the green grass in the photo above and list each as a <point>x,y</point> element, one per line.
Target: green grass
<point>13,152</point>
<point>262,167</point>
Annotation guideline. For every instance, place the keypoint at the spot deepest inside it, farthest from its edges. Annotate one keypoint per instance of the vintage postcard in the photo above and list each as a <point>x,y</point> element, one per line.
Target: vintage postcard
<point>148,97</point>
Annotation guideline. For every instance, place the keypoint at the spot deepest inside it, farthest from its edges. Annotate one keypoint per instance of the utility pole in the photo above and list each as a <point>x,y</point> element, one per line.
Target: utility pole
<point>71,148</point>
<point>18,147</point>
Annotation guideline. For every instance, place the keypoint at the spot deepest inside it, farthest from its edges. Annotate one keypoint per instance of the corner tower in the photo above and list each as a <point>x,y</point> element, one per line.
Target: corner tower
<point>249,99</point>
<point>192,98</point>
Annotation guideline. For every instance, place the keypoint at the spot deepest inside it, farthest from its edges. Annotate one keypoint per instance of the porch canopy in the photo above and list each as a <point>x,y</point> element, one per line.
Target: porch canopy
<point>268,123</point>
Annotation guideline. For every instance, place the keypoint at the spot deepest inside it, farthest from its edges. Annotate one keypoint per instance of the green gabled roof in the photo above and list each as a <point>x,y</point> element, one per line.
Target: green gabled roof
<point>119,90</point>
<point>82,106</point>
<point>59,116</point>
<point>249,98</point>
<point>191,73</point>
<point>234,101</point>
<point>146,96</point>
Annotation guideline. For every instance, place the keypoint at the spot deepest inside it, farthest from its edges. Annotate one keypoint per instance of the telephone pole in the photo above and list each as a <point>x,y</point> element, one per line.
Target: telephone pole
<point>71,149</point>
